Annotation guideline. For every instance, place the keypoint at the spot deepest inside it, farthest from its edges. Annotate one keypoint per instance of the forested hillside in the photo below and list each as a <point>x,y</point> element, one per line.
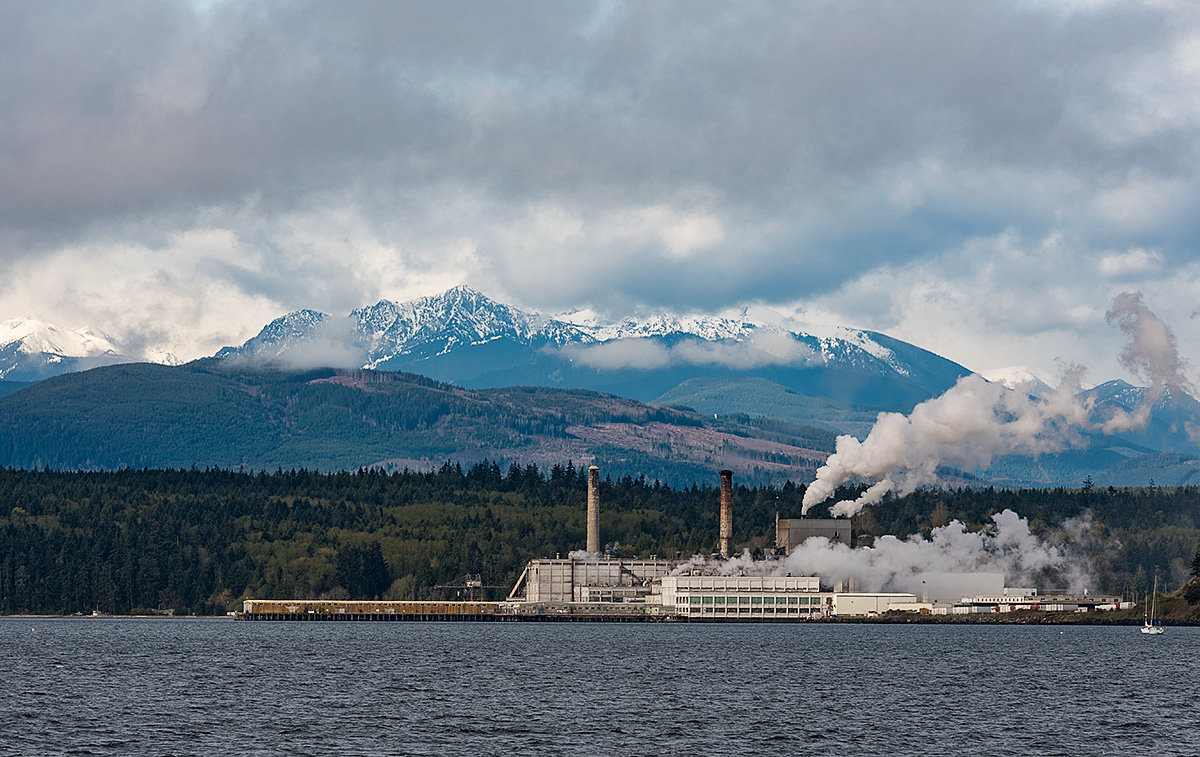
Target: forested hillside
<point>217,413</point>
<point>199,541</point>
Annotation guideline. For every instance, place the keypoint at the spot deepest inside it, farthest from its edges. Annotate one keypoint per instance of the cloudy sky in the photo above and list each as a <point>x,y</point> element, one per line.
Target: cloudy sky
<point>981,179</point>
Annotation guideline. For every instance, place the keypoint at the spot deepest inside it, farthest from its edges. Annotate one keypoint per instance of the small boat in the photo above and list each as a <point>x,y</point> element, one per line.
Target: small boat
<point>1150,624</point>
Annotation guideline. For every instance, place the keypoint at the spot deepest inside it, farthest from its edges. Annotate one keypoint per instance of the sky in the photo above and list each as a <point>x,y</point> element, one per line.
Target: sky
<point>980,179</point>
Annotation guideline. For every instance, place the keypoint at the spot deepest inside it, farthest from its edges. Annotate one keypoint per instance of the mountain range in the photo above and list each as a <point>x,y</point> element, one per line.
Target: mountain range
<point>751,373</point>
<point>463,337</point>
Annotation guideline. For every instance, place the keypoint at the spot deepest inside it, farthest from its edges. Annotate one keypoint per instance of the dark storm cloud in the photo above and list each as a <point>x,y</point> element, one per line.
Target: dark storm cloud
<point>120,106</point>
<point>787,148</point>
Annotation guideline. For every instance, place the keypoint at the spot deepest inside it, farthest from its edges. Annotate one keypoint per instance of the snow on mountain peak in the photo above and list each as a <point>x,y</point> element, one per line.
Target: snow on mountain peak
<point>32,336</point>
<point>1021,378</point>
<point>390,334</point>
<point>455,317</point>
<point>31,349</point>
<point>710,328</point>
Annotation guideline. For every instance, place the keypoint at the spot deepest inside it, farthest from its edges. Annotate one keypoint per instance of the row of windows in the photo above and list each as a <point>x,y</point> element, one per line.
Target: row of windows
<point>752,600</point>
<point>752,610</point>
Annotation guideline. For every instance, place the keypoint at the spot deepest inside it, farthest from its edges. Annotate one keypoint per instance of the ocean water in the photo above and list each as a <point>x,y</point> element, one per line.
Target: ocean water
<point>174,687</point>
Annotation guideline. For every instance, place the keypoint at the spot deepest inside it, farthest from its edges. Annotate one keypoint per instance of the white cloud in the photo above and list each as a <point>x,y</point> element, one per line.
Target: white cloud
<point>761,349</point>
<point>1130,263</point>
<point>1005,300</point>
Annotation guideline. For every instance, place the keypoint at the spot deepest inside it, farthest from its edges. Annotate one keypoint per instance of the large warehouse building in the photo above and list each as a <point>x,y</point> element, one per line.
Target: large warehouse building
<point>743,597</point>
<point>685,590</point>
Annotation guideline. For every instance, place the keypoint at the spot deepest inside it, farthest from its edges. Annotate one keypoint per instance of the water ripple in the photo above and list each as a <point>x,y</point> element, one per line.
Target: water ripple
<point>121,686</point>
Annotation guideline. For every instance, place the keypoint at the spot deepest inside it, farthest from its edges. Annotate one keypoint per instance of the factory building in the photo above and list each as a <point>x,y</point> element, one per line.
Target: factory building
<point>588,576</point>
<point>589,579</point>
<point>744,597</point>
<point>792,532</point>
<point>870,604</point>
<point>1016,600</point>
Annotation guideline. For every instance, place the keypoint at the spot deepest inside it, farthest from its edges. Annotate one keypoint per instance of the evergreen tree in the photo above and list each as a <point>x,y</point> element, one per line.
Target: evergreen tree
<point>376,578</point>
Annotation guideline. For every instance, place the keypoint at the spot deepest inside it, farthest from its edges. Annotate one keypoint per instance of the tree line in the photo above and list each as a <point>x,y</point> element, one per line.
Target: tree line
<point>199,541</point>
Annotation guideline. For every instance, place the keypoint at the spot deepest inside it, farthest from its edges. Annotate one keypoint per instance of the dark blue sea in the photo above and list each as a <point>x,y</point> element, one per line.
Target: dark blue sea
<point>181,687</point>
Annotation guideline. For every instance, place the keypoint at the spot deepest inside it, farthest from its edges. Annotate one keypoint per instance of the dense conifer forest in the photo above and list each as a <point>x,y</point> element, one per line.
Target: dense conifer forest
<point>198,541</point>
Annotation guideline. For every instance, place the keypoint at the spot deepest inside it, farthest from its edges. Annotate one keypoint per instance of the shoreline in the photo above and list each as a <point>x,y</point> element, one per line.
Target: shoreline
<point>116,617</point>
<point>1010,619</point>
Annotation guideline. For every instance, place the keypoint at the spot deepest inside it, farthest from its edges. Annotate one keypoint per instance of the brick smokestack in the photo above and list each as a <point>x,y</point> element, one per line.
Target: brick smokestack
<point>593,511</point>
<point>726,513</point>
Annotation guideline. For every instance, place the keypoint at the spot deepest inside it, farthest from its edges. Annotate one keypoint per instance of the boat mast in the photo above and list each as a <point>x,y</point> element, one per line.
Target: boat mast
<point>1154,601</point>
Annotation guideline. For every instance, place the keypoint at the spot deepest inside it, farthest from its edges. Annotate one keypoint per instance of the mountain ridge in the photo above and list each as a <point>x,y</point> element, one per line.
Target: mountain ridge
<point>215,413</point>
<point>464,337</point>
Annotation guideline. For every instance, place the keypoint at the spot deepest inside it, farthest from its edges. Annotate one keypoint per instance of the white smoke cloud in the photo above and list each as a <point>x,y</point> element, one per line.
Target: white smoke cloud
<point>1151,354</point>
<point>1007,547</point>
<point>974,421</point>
<point>762,349</point>
<point>968,425</point>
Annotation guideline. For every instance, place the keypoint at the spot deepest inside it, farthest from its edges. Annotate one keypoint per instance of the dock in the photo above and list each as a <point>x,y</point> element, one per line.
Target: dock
<point>474,612</point>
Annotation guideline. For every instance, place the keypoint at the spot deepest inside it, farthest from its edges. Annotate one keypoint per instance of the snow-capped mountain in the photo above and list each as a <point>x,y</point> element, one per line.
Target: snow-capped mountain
<point>1020,378</point>
<point>464,337</point>
<point>1173,421</point>
<point>456,318</point>
<point>31,350</point>
<point>423,328</point>
<point>280,336</point>
<point>1128,397</point>
<point>713,329</point>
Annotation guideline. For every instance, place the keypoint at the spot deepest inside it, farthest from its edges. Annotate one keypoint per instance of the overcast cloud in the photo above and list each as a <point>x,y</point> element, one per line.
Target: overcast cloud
<point>978,178</point>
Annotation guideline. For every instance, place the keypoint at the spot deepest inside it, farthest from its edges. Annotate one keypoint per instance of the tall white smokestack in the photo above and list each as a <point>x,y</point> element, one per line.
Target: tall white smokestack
<point>593,510</point>
<point>726,513</point>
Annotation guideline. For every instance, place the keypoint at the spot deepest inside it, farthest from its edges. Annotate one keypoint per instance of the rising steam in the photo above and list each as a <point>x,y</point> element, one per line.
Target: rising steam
<point>1006,548</point>
<point>1151,354</point>
<point>975,421</point>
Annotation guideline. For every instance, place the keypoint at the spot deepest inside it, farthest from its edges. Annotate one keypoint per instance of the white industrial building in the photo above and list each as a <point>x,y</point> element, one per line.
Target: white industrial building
<point>1018,599</point>
<point>870,604</point>
<point>743,597</point>
<point>590,579</point>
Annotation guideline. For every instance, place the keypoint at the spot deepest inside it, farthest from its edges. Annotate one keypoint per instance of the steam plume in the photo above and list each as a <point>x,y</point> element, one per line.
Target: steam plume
<point>974,421</point>
<point>1006,546</point>
<point>968,425</point>
<point>1151,354</point>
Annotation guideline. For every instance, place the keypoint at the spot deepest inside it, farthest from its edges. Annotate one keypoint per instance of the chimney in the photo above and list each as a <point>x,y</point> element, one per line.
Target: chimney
<point>726,513</point>
<point>593,511</point>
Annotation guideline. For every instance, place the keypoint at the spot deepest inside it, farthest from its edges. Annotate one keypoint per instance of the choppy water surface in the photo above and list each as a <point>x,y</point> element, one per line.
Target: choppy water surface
<point>125,686</point>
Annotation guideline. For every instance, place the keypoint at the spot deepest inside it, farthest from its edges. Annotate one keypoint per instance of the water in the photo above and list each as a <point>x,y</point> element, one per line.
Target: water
<point>158,687</point>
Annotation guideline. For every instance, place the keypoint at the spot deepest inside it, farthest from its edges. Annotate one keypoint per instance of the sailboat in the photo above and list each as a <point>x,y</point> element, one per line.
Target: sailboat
<point>1150,624</point>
